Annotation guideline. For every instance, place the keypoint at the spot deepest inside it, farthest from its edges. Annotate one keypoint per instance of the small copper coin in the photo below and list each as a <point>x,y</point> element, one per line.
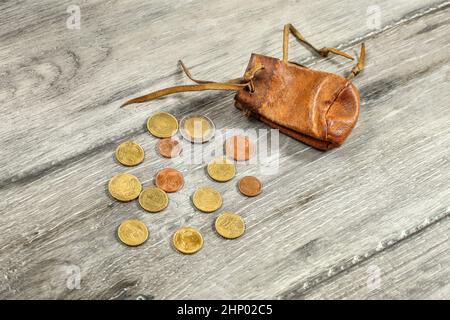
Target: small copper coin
<point>239,148</point>
<point>169,147</point>
<point>250,186</point>
<point>169,180</point>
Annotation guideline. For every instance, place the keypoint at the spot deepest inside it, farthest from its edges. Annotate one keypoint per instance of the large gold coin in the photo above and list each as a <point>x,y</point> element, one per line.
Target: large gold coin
<point>124,187</point>
<point>162,125</point>
<point>221,169</point>
<point>207,199</point>
<point>129,153</point>
<point>230,225</point>
<point>187,240</point>
<point>197,128</point>
<point>132,232</point>
<point>153,199</point>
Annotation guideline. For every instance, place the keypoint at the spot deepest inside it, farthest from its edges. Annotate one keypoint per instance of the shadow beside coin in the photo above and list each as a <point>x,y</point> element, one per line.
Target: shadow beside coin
<point>205,171</point>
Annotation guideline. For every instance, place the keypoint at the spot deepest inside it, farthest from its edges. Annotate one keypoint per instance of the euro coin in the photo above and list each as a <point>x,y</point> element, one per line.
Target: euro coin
<point>221,169</point>
<point>162,125</point>
<point>169,147</point>
<point>230,225</point>
<point>153,199</point>
<point>169,180</point>
<point>129,153</point>
<point>187,240</point>
<point>132,232</point>
<point>239,148</point>
<point>197,128</point>
<point>124,187</point>
<point>250,186</point>
<point>207,199</point>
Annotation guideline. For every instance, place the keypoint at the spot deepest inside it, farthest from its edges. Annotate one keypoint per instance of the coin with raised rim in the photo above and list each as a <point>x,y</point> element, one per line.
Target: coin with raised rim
<point>129,153</point>
<point>239,147</point>
<point>207,199</point>
<point>197,128</point>
<point>169,148</point>
<point>221,169</point>
<point>162,125</point>
<point>187,240</point>
<point>124,187</point>
<point>132,232</point>
<point>250,186</point>
<point>153,199</point>
<point>169,180</point>
<point>230,225</point>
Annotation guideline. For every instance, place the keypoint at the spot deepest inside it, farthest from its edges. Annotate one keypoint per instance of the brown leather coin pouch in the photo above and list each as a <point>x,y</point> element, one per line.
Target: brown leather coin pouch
<point>315,107</point>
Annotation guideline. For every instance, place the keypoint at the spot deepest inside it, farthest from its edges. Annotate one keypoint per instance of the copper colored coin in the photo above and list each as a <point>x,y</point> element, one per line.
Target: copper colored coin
<point>239,147</point>
<point>250,186</point>
<point>169,147</point>
<point>169,180</point>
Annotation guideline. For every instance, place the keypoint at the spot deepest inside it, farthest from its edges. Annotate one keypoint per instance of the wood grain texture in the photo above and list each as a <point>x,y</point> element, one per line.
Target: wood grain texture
<point>381,199</point>
<point>416,268</point>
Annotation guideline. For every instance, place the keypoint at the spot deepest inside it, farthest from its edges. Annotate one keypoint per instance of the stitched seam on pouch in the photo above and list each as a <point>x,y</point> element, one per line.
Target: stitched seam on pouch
<point>331,104</point>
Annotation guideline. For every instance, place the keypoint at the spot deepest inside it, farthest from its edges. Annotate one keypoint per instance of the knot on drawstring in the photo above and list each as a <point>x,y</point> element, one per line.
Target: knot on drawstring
<point>250,74</point>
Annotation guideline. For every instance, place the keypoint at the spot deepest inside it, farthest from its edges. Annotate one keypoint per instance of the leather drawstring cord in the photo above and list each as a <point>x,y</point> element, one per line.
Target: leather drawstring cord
<point>231,85</point>
<point>188,74</point>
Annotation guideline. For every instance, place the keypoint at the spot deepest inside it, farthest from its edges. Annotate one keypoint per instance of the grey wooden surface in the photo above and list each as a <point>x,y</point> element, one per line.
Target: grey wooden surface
<point>367,220</point>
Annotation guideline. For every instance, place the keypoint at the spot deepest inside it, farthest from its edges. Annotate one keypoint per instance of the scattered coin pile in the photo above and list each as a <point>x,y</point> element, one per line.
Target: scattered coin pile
<point>126,187</point>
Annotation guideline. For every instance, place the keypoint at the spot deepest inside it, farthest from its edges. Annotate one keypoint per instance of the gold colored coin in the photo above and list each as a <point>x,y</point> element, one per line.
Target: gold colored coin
<point>129,153</point>
<point>230,225</point>
<point>187,240</point>
<point>124,187</point>
<point>153,199</point>
<point>207,199</point>
<point>221,169</point>
<point>162,125</point>
<point>132,232</point>
<point>197,128</point>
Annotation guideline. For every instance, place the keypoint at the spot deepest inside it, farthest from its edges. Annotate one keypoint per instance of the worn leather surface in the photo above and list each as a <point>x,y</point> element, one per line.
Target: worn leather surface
<point>315,107</point>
